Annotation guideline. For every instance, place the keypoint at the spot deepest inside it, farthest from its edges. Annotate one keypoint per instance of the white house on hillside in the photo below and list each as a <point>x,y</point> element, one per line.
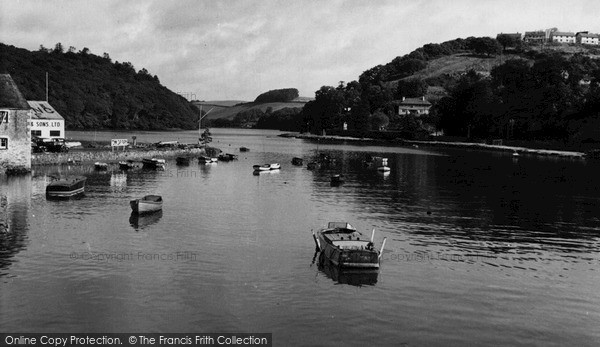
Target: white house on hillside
<point>586,38</point>
<point>562,37</point>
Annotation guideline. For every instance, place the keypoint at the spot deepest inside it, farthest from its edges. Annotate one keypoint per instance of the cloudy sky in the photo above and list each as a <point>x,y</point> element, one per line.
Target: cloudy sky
<point>235,50</point>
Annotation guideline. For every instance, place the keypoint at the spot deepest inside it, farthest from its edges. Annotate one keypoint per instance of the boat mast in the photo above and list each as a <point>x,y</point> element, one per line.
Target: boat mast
<point>200,121</point>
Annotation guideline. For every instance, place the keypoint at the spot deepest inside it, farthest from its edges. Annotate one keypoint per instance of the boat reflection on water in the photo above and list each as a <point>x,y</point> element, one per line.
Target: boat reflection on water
<point>353,277</point>
<point>141,221</point>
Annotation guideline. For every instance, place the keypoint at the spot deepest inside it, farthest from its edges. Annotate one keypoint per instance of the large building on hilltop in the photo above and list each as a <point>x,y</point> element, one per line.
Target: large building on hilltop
<point>15,138</point>
<point>562,37</point>
<point>535,37</point>
<point>585,38</point>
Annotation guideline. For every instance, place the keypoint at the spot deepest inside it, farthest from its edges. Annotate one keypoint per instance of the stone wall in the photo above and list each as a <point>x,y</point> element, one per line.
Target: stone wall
<point>18,153</point>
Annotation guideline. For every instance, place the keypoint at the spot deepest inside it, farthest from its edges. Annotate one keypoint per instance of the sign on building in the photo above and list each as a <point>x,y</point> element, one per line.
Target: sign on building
<point>118,143</point>
<point>45,121</point>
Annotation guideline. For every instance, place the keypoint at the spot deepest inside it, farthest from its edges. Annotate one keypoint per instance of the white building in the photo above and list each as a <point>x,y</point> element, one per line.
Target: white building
<point>45,122</point>
<point>586,38</point>
<point>562,37</point>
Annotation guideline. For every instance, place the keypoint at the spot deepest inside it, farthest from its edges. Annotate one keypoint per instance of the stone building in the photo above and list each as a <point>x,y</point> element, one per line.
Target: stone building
<point>15,138</point>
<point>535,37</point>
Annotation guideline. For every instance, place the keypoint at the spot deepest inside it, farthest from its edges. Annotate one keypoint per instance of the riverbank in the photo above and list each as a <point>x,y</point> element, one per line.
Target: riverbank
<point>86,156</point>
<point>468,145</point>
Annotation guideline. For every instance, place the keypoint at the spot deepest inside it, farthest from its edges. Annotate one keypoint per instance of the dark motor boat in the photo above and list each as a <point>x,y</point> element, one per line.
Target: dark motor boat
<point>297,161</point>
<point>337,179</point>
<point>126,165</point>
<point>66,188</point>
<point>155,164</point>
<point>345,247</point>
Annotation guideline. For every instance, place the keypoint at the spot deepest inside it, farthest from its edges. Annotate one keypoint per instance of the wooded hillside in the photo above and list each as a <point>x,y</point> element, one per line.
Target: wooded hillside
<point>92,92</point>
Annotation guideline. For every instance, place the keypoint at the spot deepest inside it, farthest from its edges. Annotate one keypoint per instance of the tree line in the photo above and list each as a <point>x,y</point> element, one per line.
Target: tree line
<point>553,98</point>
<point>92,92</point>
<point>537,96</point>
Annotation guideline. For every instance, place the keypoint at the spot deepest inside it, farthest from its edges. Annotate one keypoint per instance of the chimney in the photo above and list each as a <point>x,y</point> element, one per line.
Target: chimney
<point>403,98</point>
<point>423,98</point>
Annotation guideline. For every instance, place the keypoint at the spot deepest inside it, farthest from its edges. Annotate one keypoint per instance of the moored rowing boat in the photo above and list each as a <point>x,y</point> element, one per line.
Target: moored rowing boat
<point>147,204</point>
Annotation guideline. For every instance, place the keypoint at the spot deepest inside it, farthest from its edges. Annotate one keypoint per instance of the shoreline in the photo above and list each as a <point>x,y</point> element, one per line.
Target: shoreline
<point>466,145</point>
<point>86,156</point>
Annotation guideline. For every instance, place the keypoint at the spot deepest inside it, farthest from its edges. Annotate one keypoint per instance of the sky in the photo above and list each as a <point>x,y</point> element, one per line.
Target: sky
<point>236,50</point>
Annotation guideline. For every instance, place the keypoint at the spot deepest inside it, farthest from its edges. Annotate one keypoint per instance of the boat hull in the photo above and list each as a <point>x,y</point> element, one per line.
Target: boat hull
<point>140,206</point>
<point>101,166</point>
<point>66,188</point>
<point>357,254</point>
<point>155,164</point>
<point>350,258</point>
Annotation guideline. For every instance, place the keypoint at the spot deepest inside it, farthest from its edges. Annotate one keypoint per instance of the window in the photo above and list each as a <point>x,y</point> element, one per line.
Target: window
<point>54,132</point>
<point>3,117</point>
<point>3,143</point>
<point>37,133</point>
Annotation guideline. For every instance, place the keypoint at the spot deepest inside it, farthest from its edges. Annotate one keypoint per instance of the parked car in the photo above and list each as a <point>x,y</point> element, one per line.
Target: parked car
<point>40,144</point>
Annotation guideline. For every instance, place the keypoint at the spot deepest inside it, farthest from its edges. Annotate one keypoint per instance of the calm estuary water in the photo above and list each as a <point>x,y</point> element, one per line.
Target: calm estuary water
<point>482,249</point>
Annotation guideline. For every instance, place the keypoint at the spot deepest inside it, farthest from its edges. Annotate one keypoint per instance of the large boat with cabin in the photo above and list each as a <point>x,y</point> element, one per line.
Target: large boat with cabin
<point>66,188</point>
<point>346,247</point>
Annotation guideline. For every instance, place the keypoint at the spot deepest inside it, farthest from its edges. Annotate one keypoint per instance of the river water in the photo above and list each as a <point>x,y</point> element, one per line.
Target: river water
<point>482,248</point>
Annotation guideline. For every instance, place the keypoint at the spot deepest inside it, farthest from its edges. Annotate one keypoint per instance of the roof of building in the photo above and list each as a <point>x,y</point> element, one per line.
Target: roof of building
<point>563,33</point>
<point>510,34</point>
<point>535,33</point>
<point>415,101</point>
<point>43,110</point>
<point>587,35</point>
<point>10,96</point>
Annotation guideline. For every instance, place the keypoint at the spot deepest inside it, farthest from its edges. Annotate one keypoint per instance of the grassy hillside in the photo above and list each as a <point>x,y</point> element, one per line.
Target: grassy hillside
<point>92,92</point>
<point>230,112</point>
<point>441,72</point>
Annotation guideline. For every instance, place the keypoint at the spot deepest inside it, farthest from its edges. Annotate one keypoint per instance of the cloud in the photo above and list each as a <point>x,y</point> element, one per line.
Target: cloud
<point>239,49</point>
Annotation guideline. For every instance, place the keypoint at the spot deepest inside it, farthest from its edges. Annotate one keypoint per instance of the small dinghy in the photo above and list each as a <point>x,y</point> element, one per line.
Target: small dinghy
<point>259,168</point>
<point>147,204</point>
